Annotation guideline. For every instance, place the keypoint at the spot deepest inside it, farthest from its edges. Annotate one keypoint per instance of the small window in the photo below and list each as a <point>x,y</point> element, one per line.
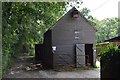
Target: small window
<point>76,32</point>
<point>76,37</point>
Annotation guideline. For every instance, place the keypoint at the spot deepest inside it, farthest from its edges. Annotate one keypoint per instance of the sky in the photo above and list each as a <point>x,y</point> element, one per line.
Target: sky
<point>102,8</point>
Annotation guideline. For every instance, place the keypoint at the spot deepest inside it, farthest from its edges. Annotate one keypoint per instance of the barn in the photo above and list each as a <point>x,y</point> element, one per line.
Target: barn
<point>71,41</point>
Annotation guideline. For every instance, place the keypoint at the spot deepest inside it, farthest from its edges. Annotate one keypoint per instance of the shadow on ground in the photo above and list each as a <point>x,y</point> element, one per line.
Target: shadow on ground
<point>19,71</point>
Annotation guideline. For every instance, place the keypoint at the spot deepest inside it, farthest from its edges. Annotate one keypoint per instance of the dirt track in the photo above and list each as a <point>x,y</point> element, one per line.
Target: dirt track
<point>17,71</point>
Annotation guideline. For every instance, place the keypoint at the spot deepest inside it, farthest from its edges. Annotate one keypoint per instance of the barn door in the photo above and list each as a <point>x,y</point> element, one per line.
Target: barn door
<point>80,55</point>
<point>89,54</point>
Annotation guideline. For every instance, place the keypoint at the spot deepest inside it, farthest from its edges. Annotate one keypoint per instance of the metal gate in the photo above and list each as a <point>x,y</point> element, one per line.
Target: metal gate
<point>80,55</point>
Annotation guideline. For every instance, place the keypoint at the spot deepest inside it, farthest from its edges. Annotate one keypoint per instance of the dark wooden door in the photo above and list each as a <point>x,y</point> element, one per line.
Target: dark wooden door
<point>80,55</point>
<point>39,48</point>
<point>89,54</point>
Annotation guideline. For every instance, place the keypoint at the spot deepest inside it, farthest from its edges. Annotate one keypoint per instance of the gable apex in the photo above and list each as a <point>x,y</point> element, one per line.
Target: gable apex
<point>71,10</point>
<point>83,18</point>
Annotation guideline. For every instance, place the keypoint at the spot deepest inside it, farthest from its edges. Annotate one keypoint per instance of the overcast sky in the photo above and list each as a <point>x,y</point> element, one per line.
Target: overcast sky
<point>102,8</point>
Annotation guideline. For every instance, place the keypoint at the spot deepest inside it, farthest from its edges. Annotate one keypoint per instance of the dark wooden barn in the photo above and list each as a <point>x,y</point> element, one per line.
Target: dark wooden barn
<point>71,41</point>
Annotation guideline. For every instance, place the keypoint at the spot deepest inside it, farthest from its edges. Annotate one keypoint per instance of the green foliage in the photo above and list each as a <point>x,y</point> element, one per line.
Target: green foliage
<point>24,24</point>
<point>110,62</point>
<point>108,51</point>
<point>85,12</point>
<point>118,26</point>
<point>7,62</point>
<point>106,29</point>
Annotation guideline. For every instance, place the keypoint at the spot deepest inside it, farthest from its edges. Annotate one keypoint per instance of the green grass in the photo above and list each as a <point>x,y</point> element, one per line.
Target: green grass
<point>26,57</point>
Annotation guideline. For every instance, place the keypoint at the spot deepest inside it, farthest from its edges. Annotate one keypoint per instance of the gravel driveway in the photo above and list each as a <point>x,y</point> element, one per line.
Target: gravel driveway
<point>17,72</point>
<point>53,74</point>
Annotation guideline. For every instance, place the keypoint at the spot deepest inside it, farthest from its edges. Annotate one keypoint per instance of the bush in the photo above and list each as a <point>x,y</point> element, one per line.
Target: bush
<point>110,62</point>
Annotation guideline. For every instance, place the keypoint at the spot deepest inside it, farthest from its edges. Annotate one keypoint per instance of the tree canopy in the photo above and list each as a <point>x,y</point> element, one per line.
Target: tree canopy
<point>24,24</point>
<point>106,29</point>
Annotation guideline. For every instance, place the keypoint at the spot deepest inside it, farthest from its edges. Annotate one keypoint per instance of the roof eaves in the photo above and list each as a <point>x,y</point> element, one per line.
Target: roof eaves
<point>80,15</point>
<point>117,38</point>
<point>60,18</point>
<point>87,21</point>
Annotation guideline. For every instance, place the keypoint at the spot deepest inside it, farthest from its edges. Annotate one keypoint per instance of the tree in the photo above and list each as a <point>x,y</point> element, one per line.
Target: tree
<point>24,24</point>
<point>106,29</point>
<point>85,12</point>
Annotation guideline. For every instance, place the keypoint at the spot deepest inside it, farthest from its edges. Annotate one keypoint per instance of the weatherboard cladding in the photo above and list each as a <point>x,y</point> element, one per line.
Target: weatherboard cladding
<point>48,56</point>
<point>63,37</point>
<point>67,26</point>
